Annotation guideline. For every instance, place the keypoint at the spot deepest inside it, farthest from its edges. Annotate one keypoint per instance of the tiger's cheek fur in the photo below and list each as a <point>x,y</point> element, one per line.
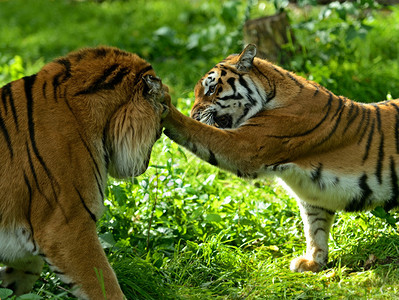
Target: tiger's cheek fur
<point>130,126</point>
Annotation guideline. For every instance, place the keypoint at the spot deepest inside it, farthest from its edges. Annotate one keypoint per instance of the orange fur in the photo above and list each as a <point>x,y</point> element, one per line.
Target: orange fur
<point>61,131</point>
<point>334,153</point>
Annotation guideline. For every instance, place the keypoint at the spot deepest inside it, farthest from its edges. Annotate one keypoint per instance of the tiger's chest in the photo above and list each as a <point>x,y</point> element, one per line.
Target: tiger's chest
<point>333,190</point>
<point>15,244</point>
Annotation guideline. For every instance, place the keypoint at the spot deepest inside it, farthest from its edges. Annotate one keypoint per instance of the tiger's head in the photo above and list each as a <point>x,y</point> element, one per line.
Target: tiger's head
<point>135,127</point>
<point>116,97</point>
<point>229,94</point>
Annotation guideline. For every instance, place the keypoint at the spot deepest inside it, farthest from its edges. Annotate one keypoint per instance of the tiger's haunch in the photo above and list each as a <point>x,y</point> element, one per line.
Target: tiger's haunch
<point>333,153</point>
<point>62,130</point>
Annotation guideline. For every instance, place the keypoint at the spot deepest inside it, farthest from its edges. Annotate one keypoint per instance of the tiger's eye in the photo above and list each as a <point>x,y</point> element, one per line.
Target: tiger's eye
<point>211,90</point>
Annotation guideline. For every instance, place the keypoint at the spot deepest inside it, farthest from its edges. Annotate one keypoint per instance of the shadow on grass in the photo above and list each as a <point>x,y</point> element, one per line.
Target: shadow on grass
<point>383,249</point>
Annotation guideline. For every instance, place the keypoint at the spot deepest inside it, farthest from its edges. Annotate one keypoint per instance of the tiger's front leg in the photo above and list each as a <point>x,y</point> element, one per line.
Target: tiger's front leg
<point>70,246</point>
<point>317,224</point>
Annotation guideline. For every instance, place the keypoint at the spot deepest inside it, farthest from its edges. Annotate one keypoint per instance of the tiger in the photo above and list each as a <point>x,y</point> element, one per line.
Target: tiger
<point>254,119</point>
<point>93,112</point>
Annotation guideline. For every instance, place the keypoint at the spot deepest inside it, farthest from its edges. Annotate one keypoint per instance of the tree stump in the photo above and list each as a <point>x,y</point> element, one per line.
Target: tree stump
<point>269,34</point>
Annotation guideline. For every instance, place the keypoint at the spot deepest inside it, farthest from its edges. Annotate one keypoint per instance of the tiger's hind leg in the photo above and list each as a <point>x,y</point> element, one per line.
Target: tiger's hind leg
<point>21,275</point>
<point>317,224</point>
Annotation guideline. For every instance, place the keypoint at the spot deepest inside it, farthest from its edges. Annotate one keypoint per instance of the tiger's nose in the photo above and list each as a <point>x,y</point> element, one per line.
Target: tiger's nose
<point>196,116</point>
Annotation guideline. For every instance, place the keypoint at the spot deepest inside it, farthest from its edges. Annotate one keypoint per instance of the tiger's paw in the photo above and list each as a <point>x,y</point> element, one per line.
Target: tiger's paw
<point>302,264</point>
<point>19,281</point>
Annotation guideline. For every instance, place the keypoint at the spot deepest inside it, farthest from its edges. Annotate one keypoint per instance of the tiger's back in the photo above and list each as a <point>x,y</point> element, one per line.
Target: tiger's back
<point>334,153</point>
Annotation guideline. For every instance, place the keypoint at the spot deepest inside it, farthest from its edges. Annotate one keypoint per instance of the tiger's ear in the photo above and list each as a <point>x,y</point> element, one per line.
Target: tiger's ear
<point>246,58</point>
<point>153,84</point>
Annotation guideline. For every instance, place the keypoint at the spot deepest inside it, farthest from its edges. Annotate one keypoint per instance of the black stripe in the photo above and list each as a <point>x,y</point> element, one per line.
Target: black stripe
<point>84,205</point>
<point>317,89</point>
<point>319,219</point>
<point>99,52</point>
<point>97,174</point>
<point>351,115</point>
<point>362,117</point>
<point>278,71</point>
<point>221,105</point>
<point>6,92</point>
<point>315,175</point>
<point>380,160</point>
<point>13,110</point>
<point>378,115</point>
<point>65,75</point>
<point>140,74</point>
<point>55,85</point>
<point>295,80</point>
<point>117,79</point>
<point>230,69</point>
<point>231,81</point>
<point>327,137</point>
<point>363,134</point>
<point>359,203</point>
<point>32,168</point>
<point>340,104</point>
<point>27,183</point>
<point>272,92</point>
<point>212,159</point>
<point>67,64</point>
<point>100,83</point>
<point>6,137</point>
<point>396,128</point>
<point>328,106</point>
<point>35,178</point>
<point>244,83</point>
<point>318,229</point>
<point>91,154</point>
<point>246,110</point>
<point>393,201</point>
<point>231,97</point>
<point>44,90</point>
<point>28,84</point>
<point>369,141</point>
<point>105,148</point>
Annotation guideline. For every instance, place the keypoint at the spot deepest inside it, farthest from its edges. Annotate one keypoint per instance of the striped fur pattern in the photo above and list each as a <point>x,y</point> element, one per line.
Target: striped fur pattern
<point>62,130</point>
<point>333,153</point>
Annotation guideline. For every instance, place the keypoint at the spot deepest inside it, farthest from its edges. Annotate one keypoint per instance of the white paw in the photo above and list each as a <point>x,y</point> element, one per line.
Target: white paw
<point>302,264</point>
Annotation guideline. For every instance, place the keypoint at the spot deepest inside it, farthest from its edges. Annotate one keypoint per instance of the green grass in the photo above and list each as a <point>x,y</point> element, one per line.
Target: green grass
<point>184,229</point>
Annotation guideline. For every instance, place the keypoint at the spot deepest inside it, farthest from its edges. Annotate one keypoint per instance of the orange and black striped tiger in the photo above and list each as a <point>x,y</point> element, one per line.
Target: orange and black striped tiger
<point>62,130</point>
<point>334,153</point>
